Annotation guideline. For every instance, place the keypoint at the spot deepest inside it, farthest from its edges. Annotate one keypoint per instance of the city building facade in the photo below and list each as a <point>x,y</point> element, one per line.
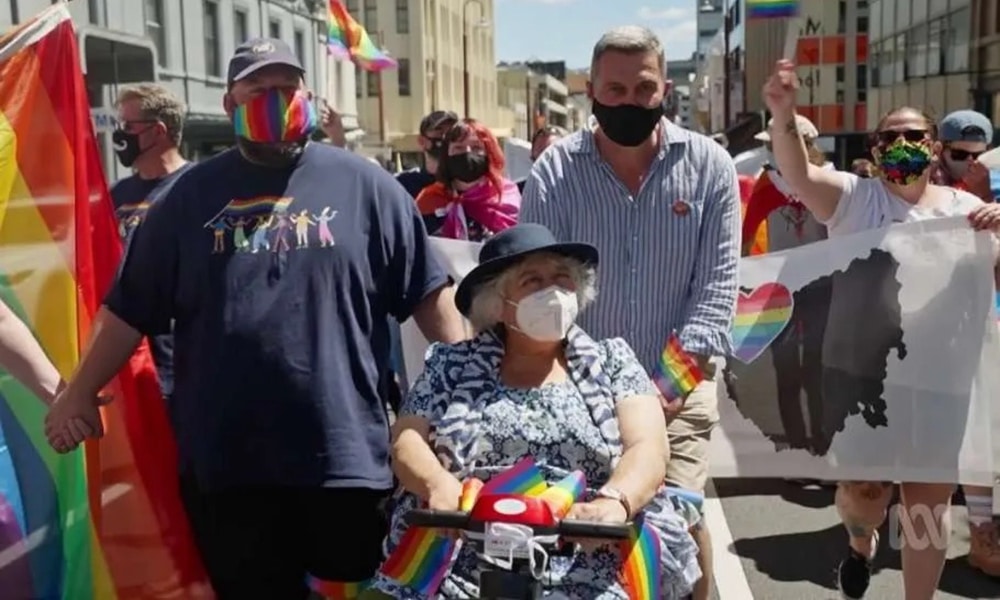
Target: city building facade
<point>185,45</point>
<point>439,44</point>
<point>985,59</point>
<point>921,54</point>
<point>538,98</point>
<point>679,99</point>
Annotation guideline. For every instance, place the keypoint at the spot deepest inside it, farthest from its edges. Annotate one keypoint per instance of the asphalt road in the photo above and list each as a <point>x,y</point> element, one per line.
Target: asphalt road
<point>777,540</point>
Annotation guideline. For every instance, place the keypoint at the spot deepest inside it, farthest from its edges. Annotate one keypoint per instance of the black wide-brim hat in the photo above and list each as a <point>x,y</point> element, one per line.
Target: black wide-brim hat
<point>510,247</point>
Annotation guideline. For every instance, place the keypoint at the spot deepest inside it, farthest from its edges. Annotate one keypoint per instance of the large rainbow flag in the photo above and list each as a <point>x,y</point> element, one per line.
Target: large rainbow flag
<point>104,522</point>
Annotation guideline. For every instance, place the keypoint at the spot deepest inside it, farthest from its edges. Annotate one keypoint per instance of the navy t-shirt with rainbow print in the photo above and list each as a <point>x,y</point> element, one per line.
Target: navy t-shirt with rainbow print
<point>280,283</point>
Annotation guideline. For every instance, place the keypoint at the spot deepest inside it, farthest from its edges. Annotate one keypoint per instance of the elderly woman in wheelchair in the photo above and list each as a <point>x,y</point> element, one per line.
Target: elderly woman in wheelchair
<point>533,384</point>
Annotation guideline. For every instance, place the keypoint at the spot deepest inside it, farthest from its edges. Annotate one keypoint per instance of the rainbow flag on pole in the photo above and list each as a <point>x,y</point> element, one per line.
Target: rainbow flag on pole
<point>772,9</point>
<point>347,40</point>
<point>104,522</point>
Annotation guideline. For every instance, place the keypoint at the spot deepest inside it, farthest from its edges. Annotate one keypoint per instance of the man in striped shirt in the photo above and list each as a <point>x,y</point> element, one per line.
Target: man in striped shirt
<point>662,205</point>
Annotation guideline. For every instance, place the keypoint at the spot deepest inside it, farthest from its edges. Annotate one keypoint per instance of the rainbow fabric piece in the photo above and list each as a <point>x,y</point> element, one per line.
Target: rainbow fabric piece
<point>104,522</point>
<point>276,116</point>
<point>420,562</point>
<point>334,590</point>
<point>997,302</point>
<point>677,373</point>
<point>563,494</point>
<point>347,40</point>
<point>772,9</point>
<point>640,574</point>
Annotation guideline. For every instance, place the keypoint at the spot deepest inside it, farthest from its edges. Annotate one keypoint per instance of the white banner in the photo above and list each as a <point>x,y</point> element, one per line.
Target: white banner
<point>868,357</point>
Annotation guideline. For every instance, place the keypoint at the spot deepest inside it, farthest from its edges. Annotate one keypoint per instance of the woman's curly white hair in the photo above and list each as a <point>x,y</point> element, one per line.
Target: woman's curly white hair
<point>486,307</point>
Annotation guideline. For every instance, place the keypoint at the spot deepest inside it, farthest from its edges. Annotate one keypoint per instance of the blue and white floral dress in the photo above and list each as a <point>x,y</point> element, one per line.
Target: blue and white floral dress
<point>480,427</point>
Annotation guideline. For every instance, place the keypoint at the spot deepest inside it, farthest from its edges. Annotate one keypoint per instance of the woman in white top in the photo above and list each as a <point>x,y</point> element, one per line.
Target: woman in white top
<point>905,149</point>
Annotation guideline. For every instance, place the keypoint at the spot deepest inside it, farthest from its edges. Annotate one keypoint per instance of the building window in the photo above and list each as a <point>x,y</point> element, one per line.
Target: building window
<point>241,30</point>
<point>917,59</point>
<point>957,41</point>
<point>213,62</point>
<point>402,16</point>
<point>842,16</point>
<point>403,74</point>
<point>93,10</point>
<point>352,7</point>
<point>371,16</point>
<point>359,83</point>
<point>899,59</point>
<point>274,29</point>
<point>154,29</point>
<point>300,45</point>
<point>862,23</point>
<point>373,84</point>
<point>934,50</point>
<point>862,83</point>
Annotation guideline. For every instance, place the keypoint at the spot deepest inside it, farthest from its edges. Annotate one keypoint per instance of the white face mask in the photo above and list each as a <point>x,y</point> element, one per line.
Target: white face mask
<point>546,315</point>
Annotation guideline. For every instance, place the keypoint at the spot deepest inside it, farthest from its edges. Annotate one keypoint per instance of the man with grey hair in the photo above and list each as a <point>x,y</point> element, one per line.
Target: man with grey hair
<point>662,206</point>
<point>150,124</point>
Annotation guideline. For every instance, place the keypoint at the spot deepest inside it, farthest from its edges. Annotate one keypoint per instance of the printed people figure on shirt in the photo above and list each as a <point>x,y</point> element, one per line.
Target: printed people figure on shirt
<point>302,223</point>
<point>323,220</point>
<point>240,241</point>
<point>259,239</point>
<point>129,217</point>
<point>219,227</point>
<point>282,227</point>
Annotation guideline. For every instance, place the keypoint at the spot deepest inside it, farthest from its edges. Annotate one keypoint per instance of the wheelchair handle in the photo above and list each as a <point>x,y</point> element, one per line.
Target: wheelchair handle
<point>453,519</point>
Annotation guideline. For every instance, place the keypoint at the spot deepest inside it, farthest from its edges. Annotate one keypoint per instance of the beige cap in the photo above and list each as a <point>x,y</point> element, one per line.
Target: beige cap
<point>804,125</point>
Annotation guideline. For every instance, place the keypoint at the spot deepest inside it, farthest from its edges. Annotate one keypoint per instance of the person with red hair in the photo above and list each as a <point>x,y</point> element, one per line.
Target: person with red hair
<point>471,199</point>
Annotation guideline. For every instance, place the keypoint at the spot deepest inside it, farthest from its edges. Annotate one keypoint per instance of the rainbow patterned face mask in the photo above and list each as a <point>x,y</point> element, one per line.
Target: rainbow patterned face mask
<point>903,162</point>
<point>277,115</point>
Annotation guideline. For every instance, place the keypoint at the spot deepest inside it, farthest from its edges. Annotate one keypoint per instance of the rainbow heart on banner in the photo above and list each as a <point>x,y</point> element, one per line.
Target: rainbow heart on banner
<point>761,316</point>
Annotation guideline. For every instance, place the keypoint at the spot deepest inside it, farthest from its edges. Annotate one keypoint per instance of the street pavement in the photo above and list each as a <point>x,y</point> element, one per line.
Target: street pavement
<point>776,540</point>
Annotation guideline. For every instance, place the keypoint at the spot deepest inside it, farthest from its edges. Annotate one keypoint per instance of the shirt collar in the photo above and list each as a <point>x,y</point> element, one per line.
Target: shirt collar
<point>586,143</point>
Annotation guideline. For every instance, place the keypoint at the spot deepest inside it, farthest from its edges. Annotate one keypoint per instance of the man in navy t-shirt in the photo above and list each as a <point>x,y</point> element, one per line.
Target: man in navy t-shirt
<point>150,122</point>
<point>279,263</point>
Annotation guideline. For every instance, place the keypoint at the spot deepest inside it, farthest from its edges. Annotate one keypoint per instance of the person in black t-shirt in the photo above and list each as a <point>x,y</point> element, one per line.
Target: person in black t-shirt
<point>431,141</point>
<point>150,122</point>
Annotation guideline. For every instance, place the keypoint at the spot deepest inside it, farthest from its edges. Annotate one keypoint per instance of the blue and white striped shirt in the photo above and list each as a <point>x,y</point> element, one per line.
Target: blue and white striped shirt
<point>669,256</point>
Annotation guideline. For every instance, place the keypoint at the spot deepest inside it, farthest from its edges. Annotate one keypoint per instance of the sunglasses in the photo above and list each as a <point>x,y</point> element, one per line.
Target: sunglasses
<point>910,135</point>
<point>961,155</point>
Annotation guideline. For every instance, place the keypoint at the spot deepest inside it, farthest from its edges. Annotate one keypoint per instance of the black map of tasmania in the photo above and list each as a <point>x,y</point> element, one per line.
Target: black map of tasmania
<point>829,362</point>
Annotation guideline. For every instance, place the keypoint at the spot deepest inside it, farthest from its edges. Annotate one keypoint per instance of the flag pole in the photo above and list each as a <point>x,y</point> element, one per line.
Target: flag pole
<point>381,96</point>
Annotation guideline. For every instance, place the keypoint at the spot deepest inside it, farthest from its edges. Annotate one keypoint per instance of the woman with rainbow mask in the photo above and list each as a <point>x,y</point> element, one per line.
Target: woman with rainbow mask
<point>905,150</point>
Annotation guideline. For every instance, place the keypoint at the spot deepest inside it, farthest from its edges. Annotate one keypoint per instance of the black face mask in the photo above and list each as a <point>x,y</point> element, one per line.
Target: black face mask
<point>627,124</point>
<point>277,156</point>
<point>437,149</point>
<point>127,147</point>
<point>467,167</point>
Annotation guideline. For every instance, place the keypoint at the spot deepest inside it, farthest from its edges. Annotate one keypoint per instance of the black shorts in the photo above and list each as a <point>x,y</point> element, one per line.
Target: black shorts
<point>264,542</point>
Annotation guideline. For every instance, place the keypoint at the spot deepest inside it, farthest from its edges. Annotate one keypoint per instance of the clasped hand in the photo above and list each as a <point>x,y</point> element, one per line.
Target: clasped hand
<point>72,418</point>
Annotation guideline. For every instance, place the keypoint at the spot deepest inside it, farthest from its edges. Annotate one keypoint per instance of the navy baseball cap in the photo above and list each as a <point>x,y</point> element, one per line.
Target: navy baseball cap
<point>253,55</point>
<point>965,126</point>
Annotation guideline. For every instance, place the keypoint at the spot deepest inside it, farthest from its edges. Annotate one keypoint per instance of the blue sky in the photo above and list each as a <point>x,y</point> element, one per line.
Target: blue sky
<point>567,29</point>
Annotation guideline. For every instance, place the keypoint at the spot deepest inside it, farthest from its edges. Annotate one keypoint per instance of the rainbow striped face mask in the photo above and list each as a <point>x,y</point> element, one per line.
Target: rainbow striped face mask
<point>275,116</point>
